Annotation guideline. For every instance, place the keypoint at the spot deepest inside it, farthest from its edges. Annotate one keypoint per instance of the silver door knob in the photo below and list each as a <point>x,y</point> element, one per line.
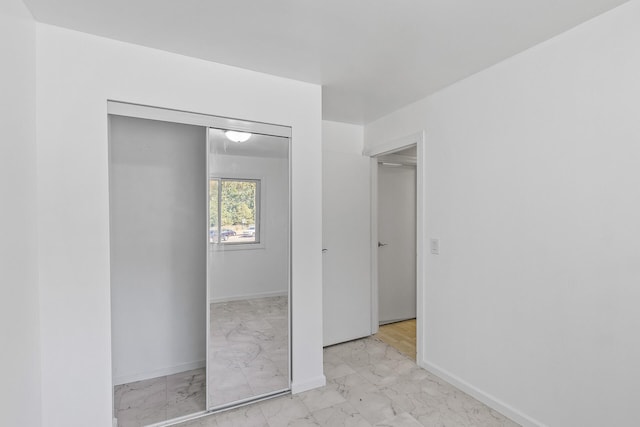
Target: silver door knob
<point>380,244</point>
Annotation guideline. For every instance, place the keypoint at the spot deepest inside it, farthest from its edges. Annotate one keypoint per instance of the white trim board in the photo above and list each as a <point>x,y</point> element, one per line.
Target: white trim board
<point>484,397</point>
<point>250,296</point>
<point>316,382</point>
<point>373,168</point>
<point>395,145</point>
<point>119,108</point>
<point>183,367</point>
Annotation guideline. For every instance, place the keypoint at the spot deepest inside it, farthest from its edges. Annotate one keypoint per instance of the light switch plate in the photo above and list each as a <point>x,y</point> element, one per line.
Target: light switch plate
<point>435,246</point>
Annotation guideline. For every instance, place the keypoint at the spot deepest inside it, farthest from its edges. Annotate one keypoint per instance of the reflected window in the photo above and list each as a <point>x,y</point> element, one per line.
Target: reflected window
<point>234,211</point>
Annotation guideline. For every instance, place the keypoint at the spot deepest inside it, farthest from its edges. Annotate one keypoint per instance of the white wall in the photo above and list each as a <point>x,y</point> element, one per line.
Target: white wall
<point>76,75</point>
<point>158,247</point>
<point>262,269</point>
<point>19,326</point>
<point>531,181</point>
<point>346,234</point>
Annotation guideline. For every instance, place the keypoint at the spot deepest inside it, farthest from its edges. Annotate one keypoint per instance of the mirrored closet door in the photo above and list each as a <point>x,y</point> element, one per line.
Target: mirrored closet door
<point>158,269</point>
<point>249,269</point>
<point>200,263</point>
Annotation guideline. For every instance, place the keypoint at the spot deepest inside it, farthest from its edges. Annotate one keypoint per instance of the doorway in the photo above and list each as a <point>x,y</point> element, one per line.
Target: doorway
<point>403,160</point>
<point>397,249</point>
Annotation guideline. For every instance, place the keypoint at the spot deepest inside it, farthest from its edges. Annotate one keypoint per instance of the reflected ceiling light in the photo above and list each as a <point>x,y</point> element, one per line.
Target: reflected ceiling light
<point>235,136</point>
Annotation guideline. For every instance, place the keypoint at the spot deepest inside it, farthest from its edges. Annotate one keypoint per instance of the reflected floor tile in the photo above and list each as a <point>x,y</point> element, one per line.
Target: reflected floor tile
<point>248,349</point>
<point>236,352</point>
<point>186,393</point>
<point>141,403</point>
<point>264,376</point>
<point>155,400</point>
<point>228,385</point>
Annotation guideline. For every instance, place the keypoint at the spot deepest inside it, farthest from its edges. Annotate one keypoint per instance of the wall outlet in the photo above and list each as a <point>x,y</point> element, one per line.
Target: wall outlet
<point>435,246</point>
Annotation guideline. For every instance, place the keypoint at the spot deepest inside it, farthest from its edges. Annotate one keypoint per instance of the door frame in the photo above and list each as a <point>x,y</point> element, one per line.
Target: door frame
<point>417,139</point>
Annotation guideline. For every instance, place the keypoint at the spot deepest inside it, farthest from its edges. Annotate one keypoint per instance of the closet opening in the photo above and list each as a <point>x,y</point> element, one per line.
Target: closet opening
<point>200,263</point>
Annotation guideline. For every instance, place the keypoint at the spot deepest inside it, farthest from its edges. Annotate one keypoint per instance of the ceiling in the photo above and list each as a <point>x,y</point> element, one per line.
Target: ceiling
<point>371,56</point>
<point>256,146</point>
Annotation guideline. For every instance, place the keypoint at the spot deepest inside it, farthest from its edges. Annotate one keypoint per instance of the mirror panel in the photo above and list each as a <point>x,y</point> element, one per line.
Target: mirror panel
<point>158,219</point>
<point>249,267</point>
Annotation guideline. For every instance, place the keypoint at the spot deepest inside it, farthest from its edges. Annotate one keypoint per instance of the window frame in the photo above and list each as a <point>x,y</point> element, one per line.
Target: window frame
<point>258,243</point>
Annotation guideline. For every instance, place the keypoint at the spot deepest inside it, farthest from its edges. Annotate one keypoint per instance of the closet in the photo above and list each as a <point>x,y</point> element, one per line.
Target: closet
<point>200,263</point>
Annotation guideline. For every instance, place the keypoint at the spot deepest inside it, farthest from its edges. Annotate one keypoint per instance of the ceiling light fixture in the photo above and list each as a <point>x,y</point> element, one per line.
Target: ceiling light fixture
<point>235,136</point>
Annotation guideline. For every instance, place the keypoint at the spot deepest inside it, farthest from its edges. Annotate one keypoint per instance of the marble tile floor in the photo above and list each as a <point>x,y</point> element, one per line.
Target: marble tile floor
<point>248,349</point>
<point>369,383</point>
<point>159,399</point>
<point>249,356</point>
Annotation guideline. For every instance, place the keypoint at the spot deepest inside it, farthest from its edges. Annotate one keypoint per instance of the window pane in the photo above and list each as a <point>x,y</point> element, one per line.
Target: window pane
<point>213,211</point>
<point>239,212</point>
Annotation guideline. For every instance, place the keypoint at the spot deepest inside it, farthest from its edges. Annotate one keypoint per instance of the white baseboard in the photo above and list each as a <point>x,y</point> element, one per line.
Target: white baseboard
<point>249,296</point>
<point>125,379</point>
<point>489,400</point>
<point>299,387</point>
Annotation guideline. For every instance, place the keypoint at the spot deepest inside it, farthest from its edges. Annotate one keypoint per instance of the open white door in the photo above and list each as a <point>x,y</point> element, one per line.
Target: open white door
<point>397,243</point>
<point>346,239</point>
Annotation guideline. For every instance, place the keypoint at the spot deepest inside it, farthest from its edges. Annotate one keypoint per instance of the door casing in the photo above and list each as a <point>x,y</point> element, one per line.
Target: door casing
<point>417,139</point>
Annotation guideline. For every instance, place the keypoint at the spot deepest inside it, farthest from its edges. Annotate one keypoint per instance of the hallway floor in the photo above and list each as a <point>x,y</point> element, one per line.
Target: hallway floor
<point>369,383</point>
<point>401,336</point>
